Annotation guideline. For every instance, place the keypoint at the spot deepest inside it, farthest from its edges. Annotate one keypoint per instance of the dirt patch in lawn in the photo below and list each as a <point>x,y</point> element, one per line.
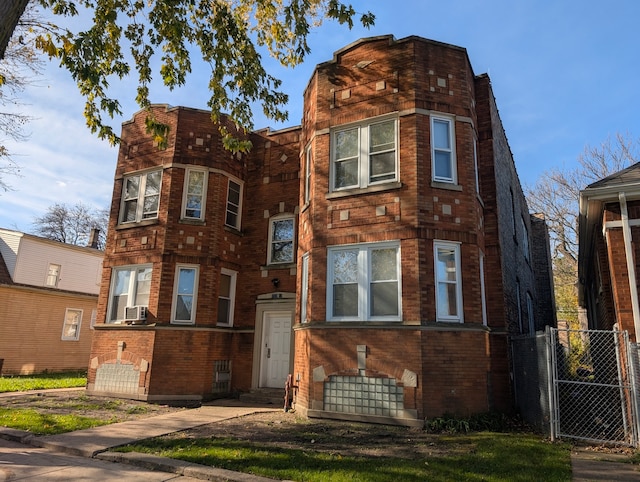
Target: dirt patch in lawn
<point>77,402</point>
<point>289,430</point>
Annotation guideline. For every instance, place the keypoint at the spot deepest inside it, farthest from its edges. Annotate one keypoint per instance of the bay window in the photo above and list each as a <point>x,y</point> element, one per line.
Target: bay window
<point>184,295</point>
<point>130,286</point>
<point>442,149</point>
<point>448,281</point>
<point>364,282</point>
<point>140,197</point>
<point>195,188</point>
<point>364,154</point>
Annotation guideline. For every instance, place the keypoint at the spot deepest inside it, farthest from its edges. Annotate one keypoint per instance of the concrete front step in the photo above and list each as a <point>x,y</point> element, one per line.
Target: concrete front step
<point>264,396</point>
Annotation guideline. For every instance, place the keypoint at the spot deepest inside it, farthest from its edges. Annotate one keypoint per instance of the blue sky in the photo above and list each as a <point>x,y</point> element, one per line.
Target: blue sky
<point>564,74</point>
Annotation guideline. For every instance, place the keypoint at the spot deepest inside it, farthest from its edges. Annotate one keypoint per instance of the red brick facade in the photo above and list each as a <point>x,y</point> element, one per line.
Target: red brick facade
<point>409,273</point>
<point>608,269</point>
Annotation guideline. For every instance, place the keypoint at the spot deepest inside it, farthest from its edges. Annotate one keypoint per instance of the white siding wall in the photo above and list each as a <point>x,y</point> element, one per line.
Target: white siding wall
<point>80,267</point>
<point>9,243</point>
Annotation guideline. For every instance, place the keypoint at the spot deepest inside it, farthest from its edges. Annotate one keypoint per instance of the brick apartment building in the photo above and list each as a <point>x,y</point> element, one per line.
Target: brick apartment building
<point>381,253</point>
<point>607,268</point>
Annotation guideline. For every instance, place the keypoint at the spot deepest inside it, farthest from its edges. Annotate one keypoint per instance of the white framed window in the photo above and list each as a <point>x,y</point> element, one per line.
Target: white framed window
<point>140,196</point>
<point>364,282</point>
<point>364,155</point>
<point>71,326</point>
<point>195,194</point>
<point>443,154</point>
<point>304,289</point>
<point>226,296</point>
<point>185,295</point>
<point>234,204</point>
<point>524,241</point>
<point>483,295</point>
<point>130,286</point>
<point>448,281</point>
<point>475,164</point>
<point>53,275</point>
<point>308,161</point>
<point>281,240</point>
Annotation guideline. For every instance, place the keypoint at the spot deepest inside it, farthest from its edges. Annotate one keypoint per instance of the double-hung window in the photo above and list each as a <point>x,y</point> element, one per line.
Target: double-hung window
<point>364,154</point>
<point>234,204</point>
<point>308,162</point>
<point>525,239</point>
<point>195,189</point>
<point>71,327</point>
<point>226,296</point>
<point>448,281</point>
<point>304,289</point>
<point>364,282</point>
<point>140,197</point>
<point>281,240</point>
<point>130,286</point>
<point>184,295</point>
<point>53,275</point>
<point>442,149</point>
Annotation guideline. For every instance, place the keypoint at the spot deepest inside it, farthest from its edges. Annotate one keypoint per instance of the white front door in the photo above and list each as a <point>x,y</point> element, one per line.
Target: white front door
<point>276,347</point>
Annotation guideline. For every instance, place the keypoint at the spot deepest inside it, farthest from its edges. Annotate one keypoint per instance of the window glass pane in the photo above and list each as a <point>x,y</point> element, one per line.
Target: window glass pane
<point>347,173</point>
<point>224,305</point>
<point>150,206</point>
<point>384,299</point>
<point>382,166</point>
<point>346,144</point>
<point>131,187</point>
<point>345,266</point>
<point>196,182</point>
<point>282,252</point>
<point>446,264</point>
<point>441,134</point>
<point>225,285</point>
<point>382,136</point>
<point>129,211</point>
<point>443,165</point>
<point>120,294</point>
<point>183,308</point>
<point>447,299</point>
<point>143,287</point>
<point>194,205</point>
<point>345,300</point>
<point>234,193</point>
<point>153,183</point>
<point>283,230</point>
<point>383,264</point>
<point>186,280</point>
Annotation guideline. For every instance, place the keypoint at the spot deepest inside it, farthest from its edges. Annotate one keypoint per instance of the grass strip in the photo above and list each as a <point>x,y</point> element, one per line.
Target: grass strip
<point>493,457</point>
<point>23,383</point>
<point>45,424</point>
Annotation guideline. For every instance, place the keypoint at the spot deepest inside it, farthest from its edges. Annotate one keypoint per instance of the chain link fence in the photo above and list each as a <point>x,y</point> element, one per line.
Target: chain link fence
<point>578,384</point>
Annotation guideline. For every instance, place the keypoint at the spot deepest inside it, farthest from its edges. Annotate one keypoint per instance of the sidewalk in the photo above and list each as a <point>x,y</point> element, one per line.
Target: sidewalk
<point>96,442</point>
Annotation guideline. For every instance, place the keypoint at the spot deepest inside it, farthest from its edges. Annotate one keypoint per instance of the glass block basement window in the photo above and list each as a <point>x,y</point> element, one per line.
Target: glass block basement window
<point>364,395</point>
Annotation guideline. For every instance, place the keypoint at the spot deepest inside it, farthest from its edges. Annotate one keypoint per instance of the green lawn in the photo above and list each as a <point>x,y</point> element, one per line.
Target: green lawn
<point>492,457</point>
<point>22,383</point>
<point>45,424</point>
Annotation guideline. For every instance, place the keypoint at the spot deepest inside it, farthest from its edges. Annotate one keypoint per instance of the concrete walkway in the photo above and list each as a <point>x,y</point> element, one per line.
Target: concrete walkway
<point>96,442</point>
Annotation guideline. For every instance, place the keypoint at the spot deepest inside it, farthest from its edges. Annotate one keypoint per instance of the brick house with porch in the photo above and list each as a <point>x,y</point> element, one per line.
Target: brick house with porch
<point>381,253</point>
<point>607,261</point>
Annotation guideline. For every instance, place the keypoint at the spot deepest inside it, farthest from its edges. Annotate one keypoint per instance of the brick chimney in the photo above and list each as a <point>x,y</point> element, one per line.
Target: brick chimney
<point>93,238</point>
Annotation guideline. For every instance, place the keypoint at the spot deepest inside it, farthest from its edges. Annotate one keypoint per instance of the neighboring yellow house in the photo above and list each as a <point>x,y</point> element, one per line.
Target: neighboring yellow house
<point>48,296</point>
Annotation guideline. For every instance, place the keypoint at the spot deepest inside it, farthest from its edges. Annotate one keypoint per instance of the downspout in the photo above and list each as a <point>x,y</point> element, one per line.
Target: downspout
<point>631,270</point>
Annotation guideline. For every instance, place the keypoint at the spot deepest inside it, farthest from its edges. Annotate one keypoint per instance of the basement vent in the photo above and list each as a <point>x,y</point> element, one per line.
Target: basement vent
<point>221,376</point>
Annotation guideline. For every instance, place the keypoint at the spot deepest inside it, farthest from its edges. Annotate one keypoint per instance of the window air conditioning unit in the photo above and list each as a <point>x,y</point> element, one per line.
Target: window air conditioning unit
<point>135,313</point>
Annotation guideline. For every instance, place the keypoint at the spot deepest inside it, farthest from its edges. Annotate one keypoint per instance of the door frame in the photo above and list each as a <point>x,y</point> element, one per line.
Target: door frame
<point>270,303</point>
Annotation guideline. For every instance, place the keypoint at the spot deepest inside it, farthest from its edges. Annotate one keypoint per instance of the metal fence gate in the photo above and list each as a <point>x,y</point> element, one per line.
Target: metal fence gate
<point>592,386</point>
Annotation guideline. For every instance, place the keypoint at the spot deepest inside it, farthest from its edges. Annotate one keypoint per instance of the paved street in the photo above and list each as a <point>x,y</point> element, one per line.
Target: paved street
<point>24,462</point>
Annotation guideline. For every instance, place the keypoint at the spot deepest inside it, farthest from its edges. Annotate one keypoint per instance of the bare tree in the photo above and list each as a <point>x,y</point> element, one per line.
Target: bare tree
<point>18,69</point>
<point>72,224</point>
<point>556,195</point>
